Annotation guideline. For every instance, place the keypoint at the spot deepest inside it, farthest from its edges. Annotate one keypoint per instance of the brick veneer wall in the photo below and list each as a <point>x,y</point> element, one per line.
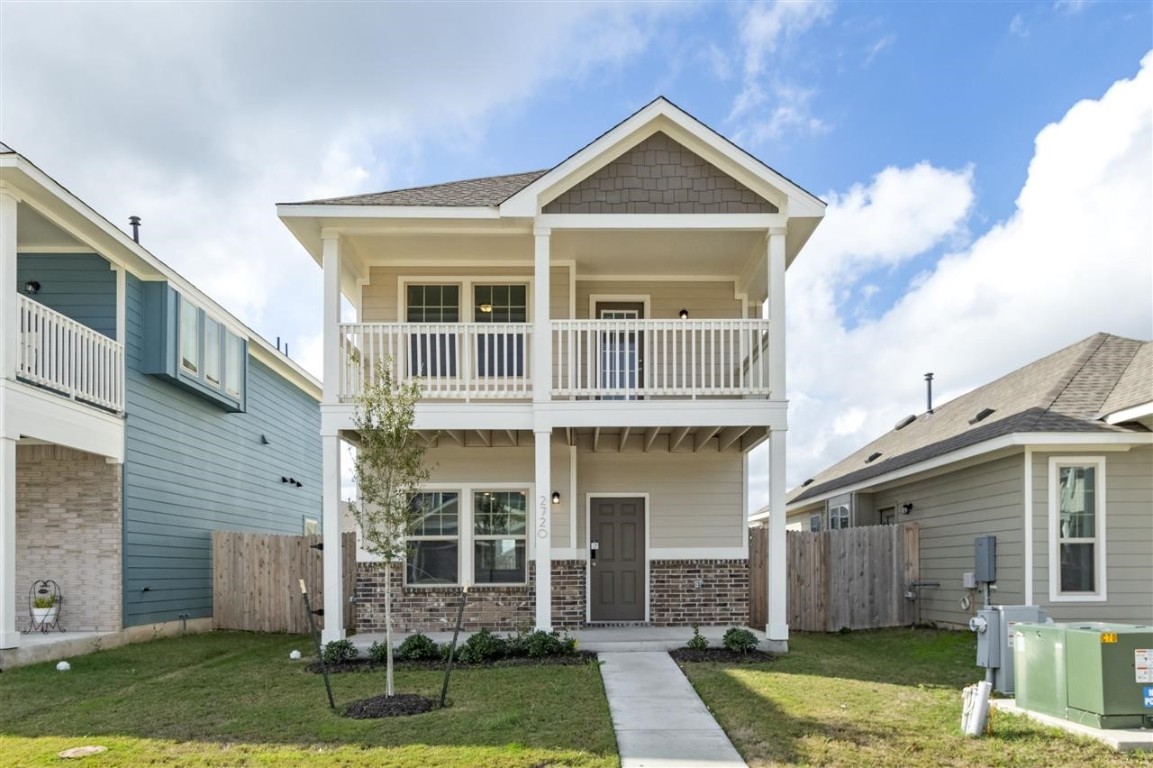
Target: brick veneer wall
<point>68,530</point>
<point>660,176</point>
<point>433,609</point>
<point>721,599</point>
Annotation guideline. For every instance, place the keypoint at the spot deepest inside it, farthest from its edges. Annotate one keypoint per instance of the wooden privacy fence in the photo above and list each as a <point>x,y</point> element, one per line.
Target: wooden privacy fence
<point>854,578</point>
<point>256,580</point>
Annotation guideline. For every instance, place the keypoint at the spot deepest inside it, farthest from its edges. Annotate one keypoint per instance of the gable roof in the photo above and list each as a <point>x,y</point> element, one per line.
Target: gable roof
<point>488,191</point>
<point>493,191</point>
<point>1067,391</point>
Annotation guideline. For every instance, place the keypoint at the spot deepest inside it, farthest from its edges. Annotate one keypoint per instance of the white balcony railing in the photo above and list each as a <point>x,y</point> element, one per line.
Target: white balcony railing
<point>627,359</point>
<point>450,360</point>
<point>58,353</point>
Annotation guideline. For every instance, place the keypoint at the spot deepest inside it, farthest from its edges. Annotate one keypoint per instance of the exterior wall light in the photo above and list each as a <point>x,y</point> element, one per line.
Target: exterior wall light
<point>32,287</point>
<point>556,497</point>
<point>684,314</point>
<point>907,508</point>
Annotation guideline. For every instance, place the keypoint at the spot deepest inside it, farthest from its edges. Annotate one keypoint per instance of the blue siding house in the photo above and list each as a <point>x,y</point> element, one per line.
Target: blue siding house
<point>136,417</point>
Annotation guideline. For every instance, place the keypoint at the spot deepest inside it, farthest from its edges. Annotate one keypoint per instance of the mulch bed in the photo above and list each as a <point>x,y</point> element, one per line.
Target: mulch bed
<point>365,664</point>
<point>723,655</point>
<point>400,705</point>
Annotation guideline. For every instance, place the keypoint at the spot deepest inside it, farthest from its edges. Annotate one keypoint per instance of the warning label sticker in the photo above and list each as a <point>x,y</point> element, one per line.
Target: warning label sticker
<point>1143,664</point>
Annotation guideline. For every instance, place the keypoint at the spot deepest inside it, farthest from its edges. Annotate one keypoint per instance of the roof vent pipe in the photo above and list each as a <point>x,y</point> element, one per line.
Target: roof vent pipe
<point>929,390</point>
<point>134,221</point>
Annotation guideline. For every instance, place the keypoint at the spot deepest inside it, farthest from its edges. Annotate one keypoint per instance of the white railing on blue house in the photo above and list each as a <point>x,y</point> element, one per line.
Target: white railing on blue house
<point>58,353</point>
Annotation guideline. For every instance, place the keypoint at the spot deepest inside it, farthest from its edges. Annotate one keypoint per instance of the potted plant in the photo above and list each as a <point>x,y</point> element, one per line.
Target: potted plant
<point>44,609</point>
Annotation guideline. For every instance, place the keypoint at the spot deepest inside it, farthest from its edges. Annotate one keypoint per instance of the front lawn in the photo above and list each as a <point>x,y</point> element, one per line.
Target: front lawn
<point>886,698</point>
<point>236,699</point>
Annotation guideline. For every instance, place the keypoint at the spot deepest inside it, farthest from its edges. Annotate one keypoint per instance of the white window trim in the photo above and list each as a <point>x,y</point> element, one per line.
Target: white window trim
<point>1055,595</point>
<point>465,537</point>
<point>467,310</point>
<point>475,537</point>
<point>197,371</point>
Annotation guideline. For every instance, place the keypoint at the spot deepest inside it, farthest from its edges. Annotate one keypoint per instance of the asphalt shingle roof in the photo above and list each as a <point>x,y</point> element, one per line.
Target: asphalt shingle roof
<point>1067,391</point>
<point>488,191</point>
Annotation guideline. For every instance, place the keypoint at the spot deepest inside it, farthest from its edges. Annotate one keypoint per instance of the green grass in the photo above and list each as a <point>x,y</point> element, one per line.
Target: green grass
<point>887,698</point>
<point>235,699</point>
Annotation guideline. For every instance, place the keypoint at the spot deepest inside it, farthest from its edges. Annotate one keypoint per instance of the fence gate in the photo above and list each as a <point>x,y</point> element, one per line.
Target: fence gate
<point>854,578</point>
<point>256,580</point>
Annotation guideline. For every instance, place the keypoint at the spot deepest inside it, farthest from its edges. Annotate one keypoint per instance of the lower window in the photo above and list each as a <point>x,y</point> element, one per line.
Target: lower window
<point>499,540</point>
<point>434,545</point>
<point>1077,516</point>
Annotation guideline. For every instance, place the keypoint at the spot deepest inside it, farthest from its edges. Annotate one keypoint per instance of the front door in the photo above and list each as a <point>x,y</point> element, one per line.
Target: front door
<point>617,560</point>
<point>621,360</point>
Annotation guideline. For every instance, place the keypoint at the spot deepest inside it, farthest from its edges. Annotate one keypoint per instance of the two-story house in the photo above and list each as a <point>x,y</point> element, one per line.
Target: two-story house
<point>136,416</point>
<point>596,366</point>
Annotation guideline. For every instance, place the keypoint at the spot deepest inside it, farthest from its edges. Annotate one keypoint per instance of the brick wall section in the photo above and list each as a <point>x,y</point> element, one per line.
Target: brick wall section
<point>660,176</point>
<point>68,530</point>
<point>500,609</point>
<point>721,600</point>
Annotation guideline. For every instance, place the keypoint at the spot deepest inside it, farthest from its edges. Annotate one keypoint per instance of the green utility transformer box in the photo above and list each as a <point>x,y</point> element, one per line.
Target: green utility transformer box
<point>1091,673</point>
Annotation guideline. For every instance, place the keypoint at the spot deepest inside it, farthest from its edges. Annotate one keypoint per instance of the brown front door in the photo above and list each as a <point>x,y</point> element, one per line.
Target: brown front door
<point>617,563</point>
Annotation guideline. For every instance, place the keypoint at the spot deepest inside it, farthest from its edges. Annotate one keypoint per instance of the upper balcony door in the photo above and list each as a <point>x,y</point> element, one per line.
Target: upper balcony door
<point>621,358</point>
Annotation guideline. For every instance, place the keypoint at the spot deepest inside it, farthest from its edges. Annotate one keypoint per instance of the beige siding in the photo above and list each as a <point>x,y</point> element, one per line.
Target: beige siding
<point>695,500</point>
<point>1128,539</point>
<point>505,465</point>
<point>379,297</point>
<point>952,510</point>
<point>705,299</point>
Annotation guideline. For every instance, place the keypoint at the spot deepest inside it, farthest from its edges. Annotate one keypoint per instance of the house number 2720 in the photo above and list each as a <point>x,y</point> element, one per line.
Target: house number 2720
<point>542,518</point>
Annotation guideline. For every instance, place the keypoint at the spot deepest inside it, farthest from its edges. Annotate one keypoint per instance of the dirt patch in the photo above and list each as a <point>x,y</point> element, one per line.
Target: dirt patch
<point>400,705</point>
<point>722,655</point>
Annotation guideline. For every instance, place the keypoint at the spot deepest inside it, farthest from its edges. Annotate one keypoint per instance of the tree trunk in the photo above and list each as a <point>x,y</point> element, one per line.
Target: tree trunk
<point>388,628</point>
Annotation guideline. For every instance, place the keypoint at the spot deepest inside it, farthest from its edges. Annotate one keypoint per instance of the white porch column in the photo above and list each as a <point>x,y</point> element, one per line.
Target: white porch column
<point>777,630</point>
<point>333,583</point>
<point>331,317</point>
<point>542,528</point>
<point>9,330</point>
<point>542,325</point>
<point>776,294</point>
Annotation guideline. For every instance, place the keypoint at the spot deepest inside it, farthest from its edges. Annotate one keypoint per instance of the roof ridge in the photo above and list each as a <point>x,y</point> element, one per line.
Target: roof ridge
<point>1059,388</point>
<point>1121,376</point>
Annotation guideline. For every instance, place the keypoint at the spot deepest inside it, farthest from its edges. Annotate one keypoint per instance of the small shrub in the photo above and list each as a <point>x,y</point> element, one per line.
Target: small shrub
<point>339,651</point>
<point>418,647</point>
<point>539,644</point>
<point>378,652</point>
<point>739,640</point>
<point>698,642</point>
<point>481,647</point>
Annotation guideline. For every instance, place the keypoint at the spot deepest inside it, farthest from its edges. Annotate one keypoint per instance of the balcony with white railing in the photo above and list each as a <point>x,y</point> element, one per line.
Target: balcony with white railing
<point>592,359</point>
<point>57,353</point>
<point>664,359</point>
<point>451,361</point>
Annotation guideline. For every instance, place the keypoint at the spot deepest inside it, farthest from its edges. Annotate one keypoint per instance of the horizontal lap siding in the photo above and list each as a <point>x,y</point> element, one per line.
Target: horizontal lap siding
<point>952,510</point>
<point>81,286</point>
<point>696,500</point>
<point>704,299</point>
<point>1128,539</point>
<point>192,468</point>
<point>379,296</point>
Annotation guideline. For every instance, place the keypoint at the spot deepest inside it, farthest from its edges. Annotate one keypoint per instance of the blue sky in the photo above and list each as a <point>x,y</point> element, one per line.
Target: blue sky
<point>956,240</point>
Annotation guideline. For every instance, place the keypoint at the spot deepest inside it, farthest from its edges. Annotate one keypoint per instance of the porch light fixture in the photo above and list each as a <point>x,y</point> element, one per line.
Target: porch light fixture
<point>684,314</point>
<point>486,308</point>
<point>556,497</point>
<point>907,508</point>
<point>32,287</point>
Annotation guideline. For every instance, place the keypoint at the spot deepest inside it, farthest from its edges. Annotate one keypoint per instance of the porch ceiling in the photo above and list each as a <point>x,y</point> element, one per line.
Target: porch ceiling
<point>608,440</point>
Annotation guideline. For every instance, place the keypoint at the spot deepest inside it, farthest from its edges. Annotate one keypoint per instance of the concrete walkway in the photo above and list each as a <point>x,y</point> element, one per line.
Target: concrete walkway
<point>659,720</point>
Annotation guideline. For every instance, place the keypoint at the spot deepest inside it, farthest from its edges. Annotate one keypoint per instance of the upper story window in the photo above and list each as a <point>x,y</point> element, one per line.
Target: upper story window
<point>436,353</point>
<point>1077,528</point>
<point>189,337</point>
<point>500,303</point>
<point>433,303</point>
<point>192,349</point>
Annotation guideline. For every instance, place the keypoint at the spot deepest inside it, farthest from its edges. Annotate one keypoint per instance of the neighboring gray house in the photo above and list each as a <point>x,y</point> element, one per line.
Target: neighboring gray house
<point>136,417</point>
<point>1055,459</point>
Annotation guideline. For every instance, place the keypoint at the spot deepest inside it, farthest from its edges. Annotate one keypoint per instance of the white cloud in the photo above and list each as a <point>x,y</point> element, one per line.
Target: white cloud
<point>768,105</point>
<point>1018,26</point>
<point>1075,258</point>
<point>876,48</point>
<point>199,117</point>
